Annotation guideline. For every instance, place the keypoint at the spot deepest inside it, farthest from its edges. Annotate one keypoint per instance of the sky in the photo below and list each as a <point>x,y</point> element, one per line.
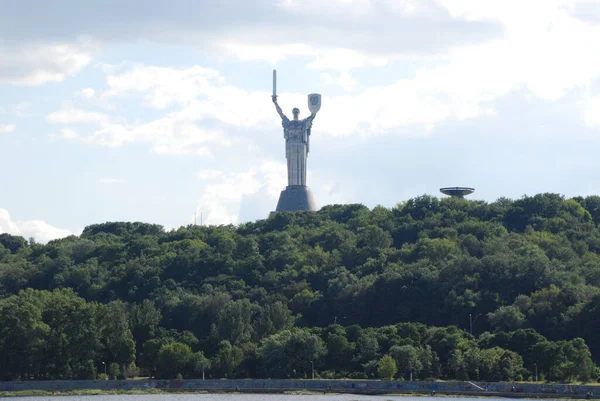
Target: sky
<point>157,110</point>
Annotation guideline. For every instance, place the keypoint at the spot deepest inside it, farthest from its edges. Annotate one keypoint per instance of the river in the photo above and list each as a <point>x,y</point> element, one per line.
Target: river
<point>242,397</point>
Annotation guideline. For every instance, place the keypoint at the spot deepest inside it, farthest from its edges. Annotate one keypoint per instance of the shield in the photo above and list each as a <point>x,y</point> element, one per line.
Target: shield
<point>314,102</point>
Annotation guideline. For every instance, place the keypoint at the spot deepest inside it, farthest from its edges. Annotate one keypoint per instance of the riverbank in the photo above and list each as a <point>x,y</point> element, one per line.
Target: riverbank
<point>259,386</point>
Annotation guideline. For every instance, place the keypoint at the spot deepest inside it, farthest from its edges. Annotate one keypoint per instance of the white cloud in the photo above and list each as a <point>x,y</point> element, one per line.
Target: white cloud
<point>545,48</point>
<point>20,109</point>
<point>592,112</point>
<point>267,30</point>
<point>110,181</point>
<point>345,59</point>
<point>544,52</point>
<point>38,229</point>
<point>76,116</point>
<point>68,133</point>
<point>168,135</point>
<point>308,7</point>
<point>268,52</point>
<point>31,64</point>
<point>346,81</point>
<point>85,93</point>
<point>209,174</point>
<point>223,202</point>
<point>236,197</point>
<point>325,57</point>
<point>200,96</point>
<point>65,134</point>
<point>6,128</point>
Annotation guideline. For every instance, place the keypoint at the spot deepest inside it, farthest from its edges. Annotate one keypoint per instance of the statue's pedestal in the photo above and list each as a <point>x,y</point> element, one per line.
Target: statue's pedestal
<point>295,198</point>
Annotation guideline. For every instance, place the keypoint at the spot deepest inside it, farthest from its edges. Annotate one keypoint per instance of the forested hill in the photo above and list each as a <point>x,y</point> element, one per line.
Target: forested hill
<point>339,289</point>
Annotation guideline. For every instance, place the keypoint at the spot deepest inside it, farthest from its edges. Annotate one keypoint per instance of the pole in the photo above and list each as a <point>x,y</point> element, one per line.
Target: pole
<point>312,370</point>
<point>470,325</point>
<point>536,376</point>
<point>274,82</point>
<point>471,321</point>
<point>105,376</point>
<point>335,320</point>
<point>202,370</point>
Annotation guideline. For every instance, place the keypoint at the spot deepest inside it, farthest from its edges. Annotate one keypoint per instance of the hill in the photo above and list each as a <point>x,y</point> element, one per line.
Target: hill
<point>448,288</point>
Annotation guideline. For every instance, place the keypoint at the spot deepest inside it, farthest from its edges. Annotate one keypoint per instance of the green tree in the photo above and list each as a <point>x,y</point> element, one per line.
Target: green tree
<point>507,318</point>
<point>115,334</point>
<point>228,359</point>
<point>289,353</point>
<point>174,358</point>
<point>386,367</point>
<point>408,360</point>
<point>235,321</point>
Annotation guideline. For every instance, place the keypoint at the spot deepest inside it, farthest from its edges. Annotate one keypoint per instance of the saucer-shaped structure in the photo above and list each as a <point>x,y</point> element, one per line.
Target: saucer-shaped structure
<point>457,192</point>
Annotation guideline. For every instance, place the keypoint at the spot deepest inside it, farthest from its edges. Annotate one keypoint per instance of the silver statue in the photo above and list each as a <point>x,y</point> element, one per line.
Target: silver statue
<point>297,136</point>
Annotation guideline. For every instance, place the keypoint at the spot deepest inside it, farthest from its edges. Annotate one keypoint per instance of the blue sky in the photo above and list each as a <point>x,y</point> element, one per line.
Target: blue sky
<point>153,111</point>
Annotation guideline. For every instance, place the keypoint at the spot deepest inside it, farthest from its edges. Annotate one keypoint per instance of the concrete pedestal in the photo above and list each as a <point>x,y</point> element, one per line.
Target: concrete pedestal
<point>296,198</point>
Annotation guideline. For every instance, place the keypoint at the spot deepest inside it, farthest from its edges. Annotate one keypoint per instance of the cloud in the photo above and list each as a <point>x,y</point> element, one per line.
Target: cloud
<point>6,128</point>
<point>203,108</point>
<point>209,174</point>
<point>30,64</point>
<point>542,51</point>
<point>592,112</point>
<point>268,52</point>
<point>86,93</point>
<point>586,10</point>
<point>237,197</point>
<point>171,134</point>
<point>76,116</point>
<point>38,229</point>
<point>110,181</point>
<point>16,110</point>
<point>162,86</point>
<point>224,201</point>
<point>68,133</point>
<point>65,134</point>
<point>345,59</point>
<point>332,58</point>
<point>255,30</point>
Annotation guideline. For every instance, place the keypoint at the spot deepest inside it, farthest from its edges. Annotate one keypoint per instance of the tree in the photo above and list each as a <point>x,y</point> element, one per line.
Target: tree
<point>23,336</point>
<point>289,353</point>
<point>174,358</point>
<point>407,358</point>
<point>116,336</point>
<point>352,278</point>
<point>13,243</point>
<point>507,318</point>
<point>234,321</point>
<point>386,367</point>
<point>228,359</point>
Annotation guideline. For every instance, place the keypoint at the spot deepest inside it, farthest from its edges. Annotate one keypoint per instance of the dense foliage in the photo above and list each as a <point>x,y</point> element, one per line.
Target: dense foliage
<point>431,288</point>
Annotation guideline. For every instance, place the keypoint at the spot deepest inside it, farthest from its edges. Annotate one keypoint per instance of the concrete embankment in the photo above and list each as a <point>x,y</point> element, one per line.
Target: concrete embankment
<point>478,389</point>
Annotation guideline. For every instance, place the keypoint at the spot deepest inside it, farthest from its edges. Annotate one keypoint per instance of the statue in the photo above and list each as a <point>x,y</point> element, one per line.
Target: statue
<point>297,143</point>
<point>296,132</point>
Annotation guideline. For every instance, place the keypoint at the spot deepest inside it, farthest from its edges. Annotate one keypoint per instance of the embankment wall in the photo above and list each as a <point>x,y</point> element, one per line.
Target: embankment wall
<point>270,385</point>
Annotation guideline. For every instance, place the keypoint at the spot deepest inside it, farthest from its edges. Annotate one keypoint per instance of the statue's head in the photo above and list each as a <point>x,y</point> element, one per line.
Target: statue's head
<point>295,112</point>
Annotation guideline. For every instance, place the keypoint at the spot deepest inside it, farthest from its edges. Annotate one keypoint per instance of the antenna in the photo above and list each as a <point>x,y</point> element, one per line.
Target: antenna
<point>194,218</point>
<point>200,218</point>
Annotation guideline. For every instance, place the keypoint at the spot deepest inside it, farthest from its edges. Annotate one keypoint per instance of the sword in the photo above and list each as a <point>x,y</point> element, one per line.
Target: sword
<point>274,82</point>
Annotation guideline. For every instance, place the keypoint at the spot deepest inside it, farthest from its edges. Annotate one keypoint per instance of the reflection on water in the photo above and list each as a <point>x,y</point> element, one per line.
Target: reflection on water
<point>245,397</point>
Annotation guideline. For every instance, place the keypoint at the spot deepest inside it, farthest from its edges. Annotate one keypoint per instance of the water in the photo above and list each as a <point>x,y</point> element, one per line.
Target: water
<point>243,397</point>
